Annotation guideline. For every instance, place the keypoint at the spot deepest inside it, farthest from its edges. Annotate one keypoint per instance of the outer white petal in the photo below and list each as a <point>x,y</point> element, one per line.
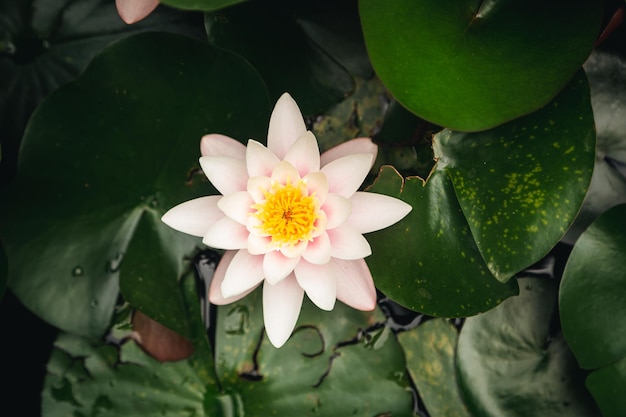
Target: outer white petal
<point>237,206</point>
<point>281,308</point>
<point>318,251</point>
<point>220,145</point>
<point>228,175</point>
<point>260,160</point>
<point>256,187</point>
<point>371,211</point>
<point>277,266</point>
<point>215,290</point>
<point>304,155</point>
<point>317,184</point>
<point>347,243</point>
<point>337,209</point>
<point>345,175</point>
<point>355,286</point>
<point>286,126</point>
<point>226,234</point>
<point>319,282</point>
<point>285,172</point>
<point>244,273</point>
<point>194,217</point>
<point>358,145</point>
<point>132,11</point>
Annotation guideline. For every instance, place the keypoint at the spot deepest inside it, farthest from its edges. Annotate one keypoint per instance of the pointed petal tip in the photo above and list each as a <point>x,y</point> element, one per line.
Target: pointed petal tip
<point>132,11</point>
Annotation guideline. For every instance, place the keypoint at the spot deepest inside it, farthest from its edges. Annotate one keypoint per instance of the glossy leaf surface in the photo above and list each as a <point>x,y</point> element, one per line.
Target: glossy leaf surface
<point>343,362</point>
<point>103,158</point>
<point>511,361</point>
<point>471,65</point>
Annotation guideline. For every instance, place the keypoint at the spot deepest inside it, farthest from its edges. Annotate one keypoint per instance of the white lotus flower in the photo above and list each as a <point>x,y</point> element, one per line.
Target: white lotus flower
<point>289,218</point>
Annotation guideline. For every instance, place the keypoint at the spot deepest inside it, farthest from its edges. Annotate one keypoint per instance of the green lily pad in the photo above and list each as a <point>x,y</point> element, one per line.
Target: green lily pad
<point>47,43</point>
<point>103,158</point>
<point>204,5</point>
<point>592,301</point>
<point>430,355</point>
<point>269,35</point>
<point>514,361</point>
<point>429,261</point>
<point>471,65</point>
<point>339,363</point>
<point>521,185</point>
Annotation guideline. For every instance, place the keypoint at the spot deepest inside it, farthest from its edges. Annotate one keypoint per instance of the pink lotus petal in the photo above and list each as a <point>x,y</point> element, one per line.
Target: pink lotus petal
<point>359,145</point>
<point>347,243</point>
<point>317,184</point>
<point>318,250</point>
<point>284,172</point>
<point>286,126</point>
<point>337,209</point>
<point>194,217</point>
<point>260,160</point>
<point>355,286</point>
<point>237,206</point>
<point>345,175</point>
<point>281,308</point>
<point>259,245</point>
<point>220,145</point>
<point>319,282</point>
<point>372,211</point>
<point>228,175</point>
<point>304,155</point>
<point>276,266</point>
<point>215,290</point>
<point>132,11</point>
<point>226,234</point>
<point>244,272</point>
<point>257,186</point>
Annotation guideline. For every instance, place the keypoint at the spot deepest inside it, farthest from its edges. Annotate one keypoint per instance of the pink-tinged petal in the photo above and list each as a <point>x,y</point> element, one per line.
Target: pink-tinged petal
<point>194,217</point>
<point>320,224</point>
<point>259,245</point>
<point>304,155</point>
<point>244,273</point>
<point>319,282</point>
<point>257,186</point>
<point>318,250</point>
<point>358,145</point>
<point>316,183</point>
<point>281,308</point>
<point>294,251</point>
<point>337,209</point>
<point>215,290</point>
<point>260,160</point>
<point>220,145</point>
<point>345,175</point>
<point>237,206</point>
<point>226,234</point>
<point>228,175</point>
<point>347,243</point>
<point>371,211</point>
<point>132,11</point>
<point>276,266</point>
<point>355,286</point>
<point>286,126</point>
<point>285,172</point>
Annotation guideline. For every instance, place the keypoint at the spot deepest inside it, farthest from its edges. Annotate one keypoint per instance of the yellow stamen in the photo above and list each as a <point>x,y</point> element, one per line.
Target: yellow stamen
<point>288,213</point>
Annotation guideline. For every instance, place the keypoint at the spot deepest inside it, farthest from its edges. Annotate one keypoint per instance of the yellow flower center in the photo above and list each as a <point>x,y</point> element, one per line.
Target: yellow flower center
<point>288,213</point>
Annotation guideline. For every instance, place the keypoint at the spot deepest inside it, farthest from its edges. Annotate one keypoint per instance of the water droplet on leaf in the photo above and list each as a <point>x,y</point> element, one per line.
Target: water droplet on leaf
<point>113,265</point>
<point>77,271</point>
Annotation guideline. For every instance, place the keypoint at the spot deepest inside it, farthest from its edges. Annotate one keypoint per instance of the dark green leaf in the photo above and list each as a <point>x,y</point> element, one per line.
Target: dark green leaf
<point>607,386</point>
<point>111,151</point>
<point>4,269</point>
<point>471,65</point>
<point>204,5</point>
<point>430,355</point>
<point>429,261</point>
<point>339,363</point>
<point>513,361</point>
<point>268,34</point>
<point>520,185</point>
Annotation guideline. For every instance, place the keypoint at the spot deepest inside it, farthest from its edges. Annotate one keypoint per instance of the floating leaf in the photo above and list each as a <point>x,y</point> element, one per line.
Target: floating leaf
<point>103,158</point>
<point>591,302</point>
<point>514,361</point>
<point>471,65</point>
